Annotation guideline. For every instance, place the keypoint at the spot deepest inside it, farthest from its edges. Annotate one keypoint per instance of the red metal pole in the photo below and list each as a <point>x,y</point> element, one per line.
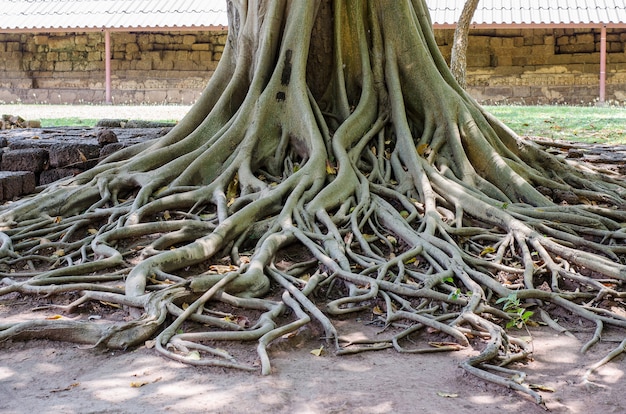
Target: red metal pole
<point>107,65</point>
<point>603,65</point>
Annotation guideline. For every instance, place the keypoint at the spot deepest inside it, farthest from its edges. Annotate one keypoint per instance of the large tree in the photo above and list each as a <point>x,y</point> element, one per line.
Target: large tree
<point>335,129</point>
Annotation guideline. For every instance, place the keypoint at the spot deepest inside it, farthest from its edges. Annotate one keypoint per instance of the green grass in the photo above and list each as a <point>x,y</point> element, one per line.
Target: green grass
<point>605,125</point>
<point>67,122</point>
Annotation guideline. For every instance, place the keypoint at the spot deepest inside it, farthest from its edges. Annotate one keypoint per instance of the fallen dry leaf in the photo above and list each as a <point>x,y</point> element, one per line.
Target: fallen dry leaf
<point>487,250</point>
<point>289,335</point>
<point>114,305</point>
<point>233,188</point>
<point>318,351</point>
<point>541,387</point>
<point>330,169</point>
<point>69,387</point>
<point>447,394</point>
<point>242,321</point>
<point>423,149</point>
<point>160,282</point>
<point>445,344</point>
<point>194,355</point>
<point>221,269</point>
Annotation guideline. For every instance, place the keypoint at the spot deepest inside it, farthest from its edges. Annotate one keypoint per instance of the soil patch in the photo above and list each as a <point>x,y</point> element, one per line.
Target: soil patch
<point>48,376</point>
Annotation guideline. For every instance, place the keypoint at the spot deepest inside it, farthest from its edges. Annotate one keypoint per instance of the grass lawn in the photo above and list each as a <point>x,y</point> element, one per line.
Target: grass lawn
<point>68,122</point>
<point>605,125</point>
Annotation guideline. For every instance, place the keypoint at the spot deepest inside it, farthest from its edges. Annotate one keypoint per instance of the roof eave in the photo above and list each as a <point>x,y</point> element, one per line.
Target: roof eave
<point>222,28</point>
<point>533,25</point>
<point>116,29</point>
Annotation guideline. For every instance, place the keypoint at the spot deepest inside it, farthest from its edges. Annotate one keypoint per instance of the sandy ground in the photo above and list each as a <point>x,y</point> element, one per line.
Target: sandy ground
<point>55,377</point>
<point>145,112</point>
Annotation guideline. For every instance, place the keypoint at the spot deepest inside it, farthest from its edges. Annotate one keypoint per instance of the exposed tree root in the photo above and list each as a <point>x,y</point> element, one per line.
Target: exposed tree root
<point>411,201</point>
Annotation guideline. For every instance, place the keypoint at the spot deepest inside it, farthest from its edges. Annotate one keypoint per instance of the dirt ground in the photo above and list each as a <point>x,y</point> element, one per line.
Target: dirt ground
<point>55,377</point>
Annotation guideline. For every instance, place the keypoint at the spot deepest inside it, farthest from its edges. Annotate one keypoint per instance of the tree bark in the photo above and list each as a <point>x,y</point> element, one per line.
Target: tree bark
<point>458,60</point>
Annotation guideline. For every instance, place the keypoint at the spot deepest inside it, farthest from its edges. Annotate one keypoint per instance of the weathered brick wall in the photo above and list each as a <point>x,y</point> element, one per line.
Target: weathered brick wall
<point>539,66</point>
<point>147,67</point>
<point>504,65</point>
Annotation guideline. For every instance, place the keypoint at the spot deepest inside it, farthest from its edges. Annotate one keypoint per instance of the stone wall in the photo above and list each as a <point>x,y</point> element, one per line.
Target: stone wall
<point>147,67</point>
<point>532,66</point>
<point>541,66</point>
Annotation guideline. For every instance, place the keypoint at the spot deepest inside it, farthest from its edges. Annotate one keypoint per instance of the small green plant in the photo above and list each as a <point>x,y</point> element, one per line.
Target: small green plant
<point>454,295</point>
<point>519,315</point>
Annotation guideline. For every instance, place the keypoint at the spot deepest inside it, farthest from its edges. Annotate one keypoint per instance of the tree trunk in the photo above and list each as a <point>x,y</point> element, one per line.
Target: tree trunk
<point>458,60</point>
<point>336,129</point>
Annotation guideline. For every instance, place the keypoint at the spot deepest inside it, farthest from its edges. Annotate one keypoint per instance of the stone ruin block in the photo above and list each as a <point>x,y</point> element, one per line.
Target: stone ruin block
<point>30,159</point>
<point>16,183</point>
<point>110,149</point>
<point>12,121</point>
<point>55,174</point>
<point>74,155</point>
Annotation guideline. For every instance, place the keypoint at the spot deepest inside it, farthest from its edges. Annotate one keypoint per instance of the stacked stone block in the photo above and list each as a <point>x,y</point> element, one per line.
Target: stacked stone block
<point>147,67</point>
<point>37,157</point>
<point>541,66</point>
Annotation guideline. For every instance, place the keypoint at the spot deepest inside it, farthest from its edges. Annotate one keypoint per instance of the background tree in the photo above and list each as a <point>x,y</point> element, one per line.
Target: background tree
<point>333,129</point>
<point>458,59</point>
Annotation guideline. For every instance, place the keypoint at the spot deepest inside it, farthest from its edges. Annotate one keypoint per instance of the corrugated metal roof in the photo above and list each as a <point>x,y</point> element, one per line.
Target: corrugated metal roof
<point>532,12</point>
<point>40,15</point>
